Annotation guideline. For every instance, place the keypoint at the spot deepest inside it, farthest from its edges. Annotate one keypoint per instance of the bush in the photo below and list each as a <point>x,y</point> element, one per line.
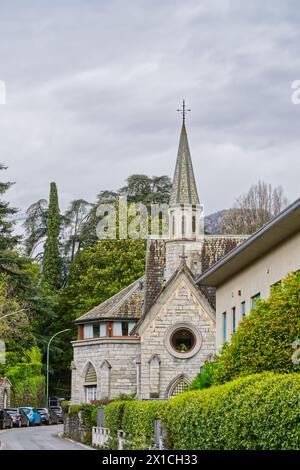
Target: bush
<point>74,410</point>
<point>65,406</point>
<point>88,413</point>
<point>94,415</point>
<point>138,422</point>
<point>263,341</point>
<point>205,378</point>
<point>114,415</point>
<point>28,384</point>
<point>257,412</point>
<point>87,410</point>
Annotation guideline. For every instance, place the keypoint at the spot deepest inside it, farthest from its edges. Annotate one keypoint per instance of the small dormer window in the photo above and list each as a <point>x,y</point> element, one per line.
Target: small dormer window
<point>102,330</point>
<point>123,328</point>
<point>88,331</point>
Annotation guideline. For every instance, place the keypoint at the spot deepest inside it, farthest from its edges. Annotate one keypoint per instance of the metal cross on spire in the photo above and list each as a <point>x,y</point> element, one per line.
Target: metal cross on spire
<point>183,110</point>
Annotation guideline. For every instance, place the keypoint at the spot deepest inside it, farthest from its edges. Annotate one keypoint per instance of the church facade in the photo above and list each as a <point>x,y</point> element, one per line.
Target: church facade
<point>152,338</point>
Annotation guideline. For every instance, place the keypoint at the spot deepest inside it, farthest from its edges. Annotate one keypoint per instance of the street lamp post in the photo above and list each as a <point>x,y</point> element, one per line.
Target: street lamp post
<point>48,356</point>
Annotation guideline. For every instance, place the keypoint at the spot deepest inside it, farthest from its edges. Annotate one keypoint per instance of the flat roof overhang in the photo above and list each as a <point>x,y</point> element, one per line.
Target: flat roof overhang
<point>278,229</point>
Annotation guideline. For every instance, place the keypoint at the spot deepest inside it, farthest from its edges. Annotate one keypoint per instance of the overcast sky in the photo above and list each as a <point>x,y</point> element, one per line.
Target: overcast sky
<point>93,88</point>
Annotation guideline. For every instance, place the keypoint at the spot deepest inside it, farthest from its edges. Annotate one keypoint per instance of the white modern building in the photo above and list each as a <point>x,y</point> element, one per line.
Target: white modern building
<point>250,270</point>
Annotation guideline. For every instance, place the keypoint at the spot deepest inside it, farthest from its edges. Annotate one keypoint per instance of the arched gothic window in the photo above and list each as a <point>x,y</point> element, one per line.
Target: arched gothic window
<point>90,384</point>
<point>178,387</point>
<point>183,225</point>
<point>194,224</point>
<point>173,225</point>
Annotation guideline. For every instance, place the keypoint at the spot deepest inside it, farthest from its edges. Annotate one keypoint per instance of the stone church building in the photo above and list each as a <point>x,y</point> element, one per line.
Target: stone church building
<point>5,387</point>
<point>152,338</point>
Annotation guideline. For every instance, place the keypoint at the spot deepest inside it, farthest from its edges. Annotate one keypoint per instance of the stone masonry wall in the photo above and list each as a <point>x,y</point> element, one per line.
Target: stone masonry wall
<point>115,365</point>
<point>182,307</point>
<point>4,389</point>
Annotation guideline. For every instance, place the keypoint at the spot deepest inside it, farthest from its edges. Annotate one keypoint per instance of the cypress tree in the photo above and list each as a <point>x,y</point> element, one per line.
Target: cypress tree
<point>52,262</point>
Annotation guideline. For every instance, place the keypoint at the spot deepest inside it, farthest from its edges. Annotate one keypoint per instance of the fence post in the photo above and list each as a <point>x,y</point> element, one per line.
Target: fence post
<point>157,432</point>
<point>100,418</point>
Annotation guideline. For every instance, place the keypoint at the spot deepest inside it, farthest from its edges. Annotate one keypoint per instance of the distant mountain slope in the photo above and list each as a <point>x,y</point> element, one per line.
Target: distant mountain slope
<point>211,222</point>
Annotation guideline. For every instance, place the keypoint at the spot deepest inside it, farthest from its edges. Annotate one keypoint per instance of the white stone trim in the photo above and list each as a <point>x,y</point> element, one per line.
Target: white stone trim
<point>183,355</point>
<point>111,340</point>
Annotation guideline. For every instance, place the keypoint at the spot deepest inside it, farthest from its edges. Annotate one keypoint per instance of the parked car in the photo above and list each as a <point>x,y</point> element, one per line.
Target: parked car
<point>24,417</point>
<point>59,413</point>
<point>32,414</point>
<point>18,417</point>
<point>45,415</point>
<point>5,420</point>
<point>56,401</point>
<point>53,416</point>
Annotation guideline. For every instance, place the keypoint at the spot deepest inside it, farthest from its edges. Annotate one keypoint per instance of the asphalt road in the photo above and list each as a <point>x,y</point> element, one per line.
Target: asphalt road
<point>36,438</point>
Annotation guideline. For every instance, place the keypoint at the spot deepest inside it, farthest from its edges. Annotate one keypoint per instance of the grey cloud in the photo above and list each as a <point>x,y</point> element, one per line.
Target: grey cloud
<point>93,88</point>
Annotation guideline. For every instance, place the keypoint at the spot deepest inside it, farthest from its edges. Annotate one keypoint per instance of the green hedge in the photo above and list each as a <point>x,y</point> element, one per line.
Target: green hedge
<point>88,413</point>
<point>138,422</point>
<point>114,416</point>
<point>136,419</point>
<point>252,413</point>
<point>258,412</point>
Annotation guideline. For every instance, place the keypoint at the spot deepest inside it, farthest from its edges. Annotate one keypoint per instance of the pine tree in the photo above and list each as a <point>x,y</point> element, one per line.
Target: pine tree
<point>52,262</point>
<point>10,261</point>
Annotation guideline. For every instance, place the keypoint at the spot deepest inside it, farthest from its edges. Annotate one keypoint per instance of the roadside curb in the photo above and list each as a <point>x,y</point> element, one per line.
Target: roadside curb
<point>60,435</point>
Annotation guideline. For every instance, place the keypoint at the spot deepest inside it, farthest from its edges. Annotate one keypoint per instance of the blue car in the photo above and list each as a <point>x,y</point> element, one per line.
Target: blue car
<point>32,414</point>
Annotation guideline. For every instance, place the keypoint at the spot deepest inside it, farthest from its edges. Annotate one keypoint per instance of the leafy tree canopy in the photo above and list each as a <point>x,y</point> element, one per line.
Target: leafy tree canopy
<point>100,271</point>
<point>263,341</point>
<point>15,330</point>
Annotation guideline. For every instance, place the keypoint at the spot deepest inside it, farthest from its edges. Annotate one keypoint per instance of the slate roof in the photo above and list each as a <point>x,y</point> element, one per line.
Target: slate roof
<point>137,298</point>
<point>154,275</point>
<point>217,246</point>
<point>182,267</point>
<point>125,304</point>
<point>214,247</point>
<point>184,189</point>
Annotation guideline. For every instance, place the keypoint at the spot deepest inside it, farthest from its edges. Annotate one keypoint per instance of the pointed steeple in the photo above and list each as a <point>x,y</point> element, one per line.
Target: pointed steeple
<point>184,189</point>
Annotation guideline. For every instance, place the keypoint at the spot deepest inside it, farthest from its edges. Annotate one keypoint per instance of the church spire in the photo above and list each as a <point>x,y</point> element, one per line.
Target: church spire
<point>184,189</point>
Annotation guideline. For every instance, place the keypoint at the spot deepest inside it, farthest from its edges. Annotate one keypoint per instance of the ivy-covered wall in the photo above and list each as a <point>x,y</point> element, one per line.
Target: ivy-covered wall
<point>28,385</point>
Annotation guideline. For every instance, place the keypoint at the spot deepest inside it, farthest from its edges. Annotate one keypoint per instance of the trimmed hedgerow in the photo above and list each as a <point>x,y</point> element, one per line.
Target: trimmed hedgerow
<point>88,413</point>
<point>138,422</point>
<point>257,412</point>
<point>74,410</point>
<point>114,415</point>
